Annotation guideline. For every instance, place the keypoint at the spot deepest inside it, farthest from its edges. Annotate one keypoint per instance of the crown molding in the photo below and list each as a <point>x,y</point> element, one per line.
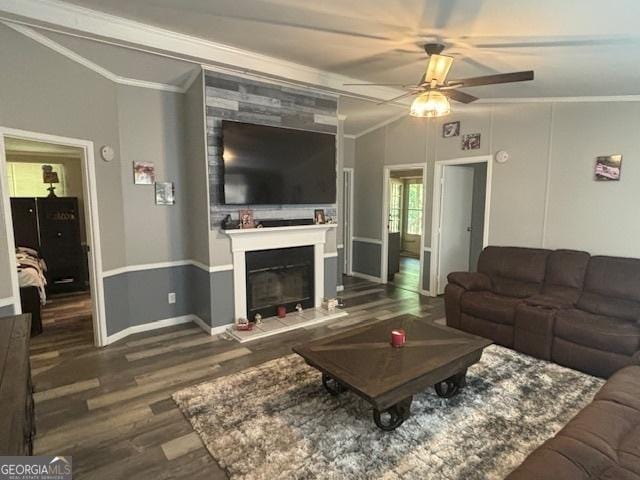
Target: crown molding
<point>85,62</point>
<point>72,19</point>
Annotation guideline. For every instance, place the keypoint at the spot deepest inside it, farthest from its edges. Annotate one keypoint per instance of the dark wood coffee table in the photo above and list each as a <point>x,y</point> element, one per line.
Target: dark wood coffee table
<point>362,360</point>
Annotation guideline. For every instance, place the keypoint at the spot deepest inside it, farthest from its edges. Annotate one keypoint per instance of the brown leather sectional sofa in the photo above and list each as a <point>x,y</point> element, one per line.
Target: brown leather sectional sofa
<point>601,442</point>
<point>561,305</point>
<point>576,310</point>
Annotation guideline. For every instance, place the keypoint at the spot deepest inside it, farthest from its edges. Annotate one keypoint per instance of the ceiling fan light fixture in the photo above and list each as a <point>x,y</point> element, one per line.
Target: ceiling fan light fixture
<point>430,105</point>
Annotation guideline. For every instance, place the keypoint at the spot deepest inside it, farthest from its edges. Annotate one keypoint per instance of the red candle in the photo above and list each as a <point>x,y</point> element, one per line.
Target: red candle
<point>282,311</point>
<point>398,337</point>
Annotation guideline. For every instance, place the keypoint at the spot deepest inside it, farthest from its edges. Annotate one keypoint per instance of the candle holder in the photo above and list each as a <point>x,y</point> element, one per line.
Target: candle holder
<point>398,337</point>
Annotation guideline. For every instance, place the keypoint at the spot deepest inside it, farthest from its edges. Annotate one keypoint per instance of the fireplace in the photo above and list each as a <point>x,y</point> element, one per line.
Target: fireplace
<point>282,276</point>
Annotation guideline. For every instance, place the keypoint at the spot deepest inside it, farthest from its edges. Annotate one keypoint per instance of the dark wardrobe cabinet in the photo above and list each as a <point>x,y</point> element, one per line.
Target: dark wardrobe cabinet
<point>52,226</point>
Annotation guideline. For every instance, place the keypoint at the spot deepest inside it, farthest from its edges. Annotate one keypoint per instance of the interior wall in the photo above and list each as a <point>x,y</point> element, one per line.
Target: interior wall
<point>545,195</point>
<point>151,124</point>
<point>477,212</point>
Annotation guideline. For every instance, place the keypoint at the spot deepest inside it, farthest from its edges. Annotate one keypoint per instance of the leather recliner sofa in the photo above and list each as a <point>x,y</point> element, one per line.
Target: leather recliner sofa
<point>566,306</point>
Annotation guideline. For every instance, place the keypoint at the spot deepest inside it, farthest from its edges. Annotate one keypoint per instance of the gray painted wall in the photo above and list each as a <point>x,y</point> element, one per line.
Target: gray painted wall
<point>330,276</point>
<point>553,149</point>
<point>151,130</point>
<point>222,298</point>
<point>367,258</point>
<point>6,311</point>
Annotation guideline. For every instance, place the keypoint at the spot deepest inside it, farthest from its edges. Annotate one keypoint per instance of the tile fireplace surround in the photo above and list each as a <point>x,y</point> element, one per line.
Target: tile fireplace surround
<point>243,241</point>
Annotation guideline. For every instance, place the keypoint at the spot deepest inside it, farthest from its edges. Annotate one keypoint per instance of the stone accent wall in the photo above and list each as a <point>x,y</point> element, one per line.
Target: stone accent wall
<point>228,97</point>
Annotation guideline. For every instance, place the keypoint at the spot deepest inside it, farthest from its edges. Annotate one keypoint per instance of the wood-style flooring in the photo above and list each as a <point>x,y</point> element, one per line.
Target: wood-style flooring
<point>111,409</point>
<point>409,275</point>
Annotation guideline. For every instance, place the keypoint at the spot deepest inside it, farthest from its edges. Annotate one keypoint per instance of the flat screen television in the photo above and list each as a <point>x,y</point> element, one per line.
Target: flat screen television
<point>277,166</point>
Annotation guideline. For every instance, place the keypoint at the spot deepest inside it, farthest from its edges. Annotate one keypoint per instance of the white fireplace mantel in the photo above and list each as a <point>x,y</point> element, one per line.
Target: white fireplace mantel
<point>252,239</point>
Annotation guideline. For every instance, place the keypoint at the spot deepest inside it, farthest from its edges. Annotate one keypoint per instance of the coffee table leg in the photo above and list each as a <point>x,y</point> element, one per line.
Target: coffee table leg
<point>397,414</point>
<point>331,385</point>
<point>452,385</point>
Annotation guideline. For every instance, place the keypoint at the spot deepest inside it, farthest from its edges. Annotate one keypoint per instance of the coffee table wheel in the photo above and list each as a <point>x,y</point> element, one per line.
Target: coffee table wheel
<point>451,386</point>
<point>331,385</point>
<point>391,418</point>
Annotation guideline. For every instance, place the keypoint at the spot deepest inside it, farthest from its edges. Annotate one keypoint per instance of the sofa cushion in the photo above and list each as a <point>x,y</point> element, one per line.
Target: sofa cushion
<point>565,273</point>
<point>612,287</point>
<point>489,306</point>
<point>601,442</point>
<point>598,331</point>
<point>514,271</point>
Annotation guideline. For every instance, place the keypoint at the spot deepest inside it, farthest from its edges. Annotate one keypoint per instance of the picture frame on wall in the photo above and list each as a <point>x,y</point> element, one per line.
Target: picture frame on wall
<point>144,173</point>
<point>471,141</point>
<point>245,216</point>
<point>165,193</point>
<point>319,217</point>
<point>450,129</point>
<point>608,168</point>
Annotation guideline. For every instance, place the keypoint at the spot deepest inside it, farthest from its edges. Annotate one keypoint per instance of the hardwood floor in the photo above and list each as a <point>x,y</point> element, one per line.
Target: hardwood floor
<point>111,409</point>
<point>408,277</point>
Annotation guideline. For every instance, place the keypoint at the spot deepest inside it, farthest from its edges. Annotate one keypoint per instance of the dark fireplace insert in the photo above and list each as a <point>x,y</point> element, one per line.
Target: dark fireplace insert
<point>282,276</point>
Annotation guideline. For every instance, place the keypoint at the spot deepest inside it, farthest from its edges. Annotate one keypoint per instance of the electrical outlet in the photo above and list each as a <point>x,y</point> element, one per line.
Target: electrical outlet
<point>171,297</point>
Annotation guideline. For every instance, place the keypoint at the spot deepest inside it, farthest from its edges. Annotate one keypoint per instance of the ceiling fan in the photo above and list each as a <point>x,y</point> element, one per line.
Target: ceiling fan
<point>434,90</point>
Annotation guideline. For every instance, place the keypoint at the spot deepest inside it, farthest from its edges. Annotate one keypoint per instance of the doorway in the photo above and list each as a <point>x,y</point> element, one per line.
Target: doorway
<point>403,226</point>
<point>460,216</point>
<point>50,213</point>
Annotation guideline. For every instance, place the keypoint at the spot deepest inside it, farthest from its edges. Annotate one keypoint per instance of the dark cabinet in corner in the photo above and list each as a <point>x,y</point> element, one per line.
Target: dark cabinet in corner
<point>58,239</point>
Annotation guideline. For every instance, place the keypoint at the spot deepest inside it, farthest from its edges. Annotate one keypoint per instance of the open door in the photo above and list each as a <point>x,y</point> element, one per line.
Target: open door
<point>455,222</point>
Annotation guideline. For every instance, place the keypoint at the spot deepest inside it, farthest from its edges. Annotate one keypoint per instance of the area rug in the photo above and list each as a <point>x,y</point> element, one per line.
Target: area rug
<point>276,421</point>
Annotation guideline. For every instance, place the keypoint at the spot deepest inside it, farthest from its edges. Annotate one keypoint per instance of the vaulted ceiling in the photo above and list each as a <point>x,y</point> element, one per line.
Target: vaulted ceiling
<point>576,47</point>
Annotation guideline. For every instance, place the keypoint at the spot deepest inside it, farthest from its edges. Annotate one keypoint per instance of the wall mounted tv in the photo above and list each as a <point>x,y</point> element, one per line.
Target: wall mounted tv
<point>277,166</point>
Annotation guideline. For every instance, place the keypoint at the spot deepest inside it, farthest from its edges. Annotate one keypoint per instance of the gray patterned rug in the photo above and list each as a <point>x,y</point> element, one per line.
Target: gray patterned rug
<point>276,421</point>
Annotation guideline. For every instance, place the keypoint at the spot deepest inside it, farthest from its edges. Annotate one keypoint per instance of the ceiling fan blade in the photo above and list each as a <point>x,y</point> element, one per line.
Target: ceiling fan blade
<point>492,79</point>
<point>408,94</point>
<point>438,68</point>
<point>587,42</point>
<point>459,96</point>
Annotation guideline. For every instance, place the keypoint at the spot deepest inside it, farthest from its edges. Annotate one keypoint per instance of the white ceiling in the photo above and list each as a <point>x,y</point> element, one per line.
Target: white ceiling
<point>576,47</point>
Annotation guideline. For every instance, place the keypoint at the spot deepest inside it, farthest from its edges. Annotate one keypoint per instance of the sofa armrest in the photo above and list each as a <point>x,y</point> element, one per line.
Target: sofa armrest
<point>472,281</point>
<point>549,302</point>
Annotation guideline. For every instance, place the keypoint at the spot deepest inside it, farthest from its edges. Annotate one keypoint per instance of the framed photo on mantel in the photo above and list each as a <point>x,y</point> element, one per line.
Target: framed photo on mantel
<point>246,218</point>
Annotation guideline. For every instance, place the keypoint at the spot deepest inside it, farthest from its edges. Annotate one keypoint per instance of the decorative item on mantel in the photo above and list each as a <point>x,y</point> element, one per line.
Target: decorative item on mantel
<point>319,217</point>
<point>246,218</point>
<point>299,307</point>
<point>282,311</point>
<point>258,319</point>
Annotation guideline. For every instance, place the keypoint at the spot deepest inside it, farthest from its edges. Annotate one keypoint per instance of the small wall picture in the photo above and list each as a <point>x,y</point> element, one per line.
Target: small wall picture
<point>165,193</point>
<point>608,168</point>
<point>319,217</point>
<point>450,129</point>
<point>246,218</point>
<point>144,173</point>
<point>471,141</point>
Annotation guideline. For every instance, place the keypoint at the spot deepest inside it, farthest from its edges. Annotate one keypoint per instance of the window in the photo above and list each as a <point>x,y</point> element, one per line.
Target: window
<point>395,206</point>
<point>25,179</point>
<point>414,209</point>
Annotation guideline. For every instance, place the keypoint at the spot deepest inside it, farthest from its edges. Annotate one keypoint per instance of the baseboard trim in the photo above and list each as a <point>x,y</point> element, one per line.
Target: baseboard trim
<point>365,276</point>
<point>167,322</point>
<point>208,329</point>
<point>428,293</point>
